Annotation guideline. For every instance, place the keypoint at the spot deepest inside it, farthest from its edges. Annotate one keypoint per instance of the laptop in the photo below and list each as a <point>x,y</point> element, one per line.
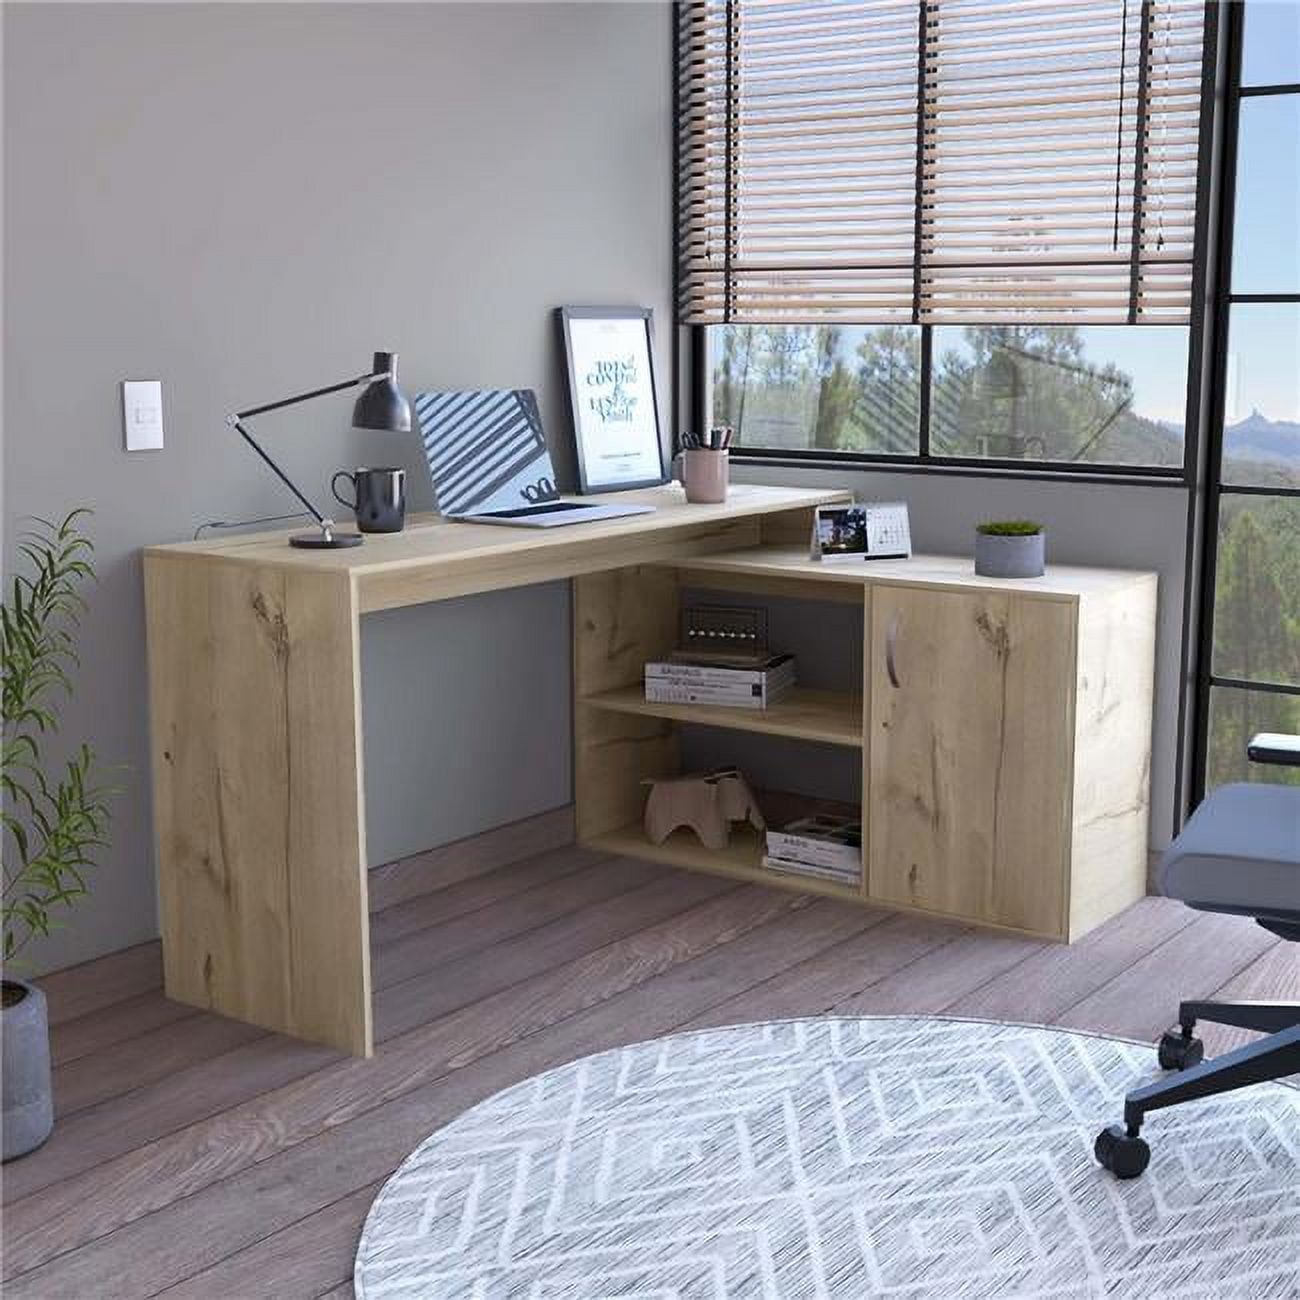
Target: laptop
<point>490,464</point>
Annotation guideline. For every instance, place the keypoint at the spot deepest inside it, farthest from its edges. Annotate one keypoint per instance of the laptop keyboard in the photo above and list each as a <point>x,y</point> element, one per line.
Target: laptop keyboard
<point>525,511</point>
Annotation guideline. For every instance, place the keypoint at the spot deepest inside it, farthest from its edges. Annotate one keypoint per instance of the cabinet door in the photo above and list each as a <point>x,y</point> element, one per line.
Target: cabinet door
<point>971,725</point>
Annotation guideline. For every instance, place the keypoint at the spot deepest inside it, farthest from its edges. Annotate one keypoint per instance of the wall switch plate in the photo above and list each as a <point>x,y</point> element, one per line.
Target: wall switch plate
<point>142,418</point>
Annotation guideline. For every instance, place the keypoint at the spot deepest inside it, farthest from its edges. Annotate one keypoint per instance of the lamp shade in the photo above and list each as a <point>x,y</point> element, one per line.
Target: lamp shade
<point>382,405</point>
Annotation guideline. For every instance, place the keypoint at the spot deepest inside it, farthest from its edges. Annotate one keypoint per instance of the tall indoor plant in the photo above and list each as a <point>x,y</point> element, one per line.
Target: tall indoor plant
<point>55,816</point>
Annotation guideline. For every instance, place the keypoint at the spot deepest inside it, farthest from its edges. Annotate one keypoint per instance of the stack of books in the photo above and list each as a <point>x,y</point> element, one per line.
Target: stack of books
<point>827,848</point>
<point>752,687</point>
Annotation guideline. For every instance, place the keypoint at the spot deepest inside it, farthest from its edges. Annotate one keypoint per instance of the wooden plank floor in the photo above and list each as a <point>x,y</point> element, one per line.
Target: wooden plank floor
<point>194,1156</point>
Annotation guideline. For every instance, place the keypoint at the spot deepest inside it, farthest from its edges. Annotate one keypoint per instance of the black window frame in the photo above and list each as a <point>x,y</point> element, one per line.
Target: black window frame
<point>1214,489</point>
<point>924,460</point>
<point>692,392</point>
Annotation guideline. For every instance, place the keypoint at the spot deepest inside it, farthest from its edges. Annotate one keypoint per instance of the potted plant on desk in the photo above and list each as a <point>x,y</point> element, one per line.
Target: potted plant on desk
<point>1010,548</point>
<point>54,816</point>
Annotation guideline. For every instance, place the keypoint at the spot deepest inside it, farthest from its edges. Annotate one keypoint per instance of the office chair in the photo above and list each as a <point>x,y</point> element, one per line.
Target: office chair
<point>1238,853</point>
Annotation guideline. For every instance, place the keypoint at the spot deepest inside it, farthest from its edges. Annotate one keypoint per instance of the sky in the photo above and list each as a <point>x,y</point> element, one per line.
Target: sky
<point>1264,339</point>
<point>1271,52</point>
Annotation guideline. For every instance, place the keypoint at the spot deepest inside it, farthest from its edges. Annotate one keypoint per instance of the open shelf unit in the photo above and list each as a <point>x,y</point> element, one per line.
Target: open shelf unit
<point>1002,728</point>
<point>627,618</point>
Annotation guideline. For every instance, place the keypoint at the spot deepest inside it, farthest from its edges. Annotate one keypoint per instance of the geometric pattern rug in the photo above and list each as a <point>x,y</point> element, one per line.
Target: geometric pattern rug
<point>898,1156</point>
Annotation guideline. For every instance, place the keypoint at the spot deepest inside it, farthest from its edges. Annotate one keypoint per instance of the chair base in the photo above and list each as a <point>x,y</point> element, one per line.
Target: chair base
<point>1264,1017</point>
<point>1123,1151</point>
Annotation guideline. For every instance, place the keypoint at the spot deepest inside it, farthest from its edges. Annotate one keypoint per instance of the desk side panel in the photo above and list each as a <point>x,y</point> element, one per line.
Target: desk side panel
<point>257,800</point>
<point>1112,744</point>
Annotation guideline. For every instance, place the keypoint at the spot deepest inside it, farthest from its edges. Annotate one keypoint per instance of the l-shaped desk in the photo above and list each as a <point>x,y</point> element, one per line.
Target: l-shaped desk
<point>1004,729</point>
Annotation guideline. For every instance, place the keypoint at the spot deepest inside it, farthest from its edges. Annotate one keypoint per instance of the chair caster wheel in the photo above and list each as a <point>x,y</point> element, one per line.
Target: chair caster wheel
<point>1124,1156</point>
<point>1178,1053</point>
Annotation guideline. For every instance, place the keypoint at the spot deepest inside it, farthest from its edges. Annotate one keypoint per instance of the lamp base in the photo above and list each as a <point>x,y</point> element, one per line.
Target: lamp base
<point>326,541</point>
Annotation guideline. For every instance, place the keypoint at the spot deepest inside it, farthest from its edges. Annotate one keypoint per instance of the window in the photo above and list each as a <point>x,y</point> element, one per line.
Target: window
<point>828,388</point>
<point>1111,394</point>
<point>944,229</point>
<point>1261,435</point>
<point>1250,655</point>
<point>1096,395</point>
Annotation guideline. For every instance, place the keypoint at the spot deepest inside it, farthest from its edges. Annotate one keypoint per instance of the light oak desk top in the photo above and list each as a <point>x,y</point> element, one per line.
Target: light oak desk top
<point>936,572</point>
<point>255,719</point>
<point>436,558</point>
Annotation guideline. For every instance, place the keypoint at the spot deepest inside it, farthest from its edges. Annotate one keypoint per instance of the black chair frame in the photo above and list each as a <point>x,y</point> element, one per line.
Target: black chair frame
<point>1123,1150</point>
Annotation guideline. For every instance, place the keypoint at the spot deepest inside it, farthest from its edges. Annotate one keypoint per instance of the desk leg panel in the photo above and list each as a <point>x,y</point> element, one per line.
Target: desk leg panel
<point>258,796</point>
<point>621,620</point>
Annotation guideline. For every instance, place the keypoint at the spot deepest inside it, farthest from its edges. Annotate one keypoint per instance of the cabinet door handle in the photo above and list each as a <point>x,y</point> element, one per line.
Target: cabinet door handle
<point>891,645</point>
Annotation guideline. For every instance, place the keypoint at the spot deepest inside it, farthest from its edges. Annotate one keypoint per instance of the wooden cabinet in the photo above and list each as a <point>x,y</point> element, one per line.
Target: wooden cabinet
<point>1008,749</point>
<point>969,754</point>
<point>1004,729</point>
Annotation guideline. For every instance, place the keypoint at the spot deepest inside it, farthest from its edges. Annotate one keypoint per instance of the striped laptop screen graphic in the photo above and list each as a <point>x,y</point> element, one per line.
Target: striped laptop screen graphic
<point>486,450</point>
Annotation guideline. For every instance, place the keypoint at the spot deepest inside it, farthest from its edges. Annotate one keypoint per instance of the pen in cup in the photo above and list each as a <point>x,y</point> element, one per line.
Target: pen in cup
<point>717,439</point>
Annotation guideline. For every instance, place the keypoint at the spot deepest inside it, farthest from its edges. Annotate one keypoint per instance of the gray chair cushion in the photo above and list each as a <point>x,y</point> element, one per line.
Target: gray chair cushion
<point>1239,852</point>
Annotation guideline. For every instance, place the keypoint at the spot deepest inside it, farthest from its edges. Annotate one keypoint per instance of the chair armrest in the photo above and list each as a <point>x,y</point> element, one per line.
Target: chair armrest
<point>1275,748</point>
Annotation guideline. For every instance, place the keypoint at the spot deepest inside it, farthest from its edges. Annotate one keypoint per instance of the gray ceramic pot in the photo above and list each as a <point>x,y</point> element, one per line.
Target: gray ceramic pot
<point>28,1099</point>
<point>1010,557</point>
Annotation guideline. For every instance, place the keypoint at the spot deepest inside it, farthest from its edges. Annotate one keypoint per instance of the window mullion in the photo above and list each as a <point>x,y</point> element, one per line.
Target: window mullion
<point>922,108</point>
<point>927,375</point>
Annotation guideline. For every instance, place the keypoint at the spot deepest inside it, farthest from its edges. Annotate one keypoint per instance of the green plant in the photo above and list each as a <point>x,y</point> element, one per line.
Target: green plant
<point>53,824</point>
<point>1009,528</point>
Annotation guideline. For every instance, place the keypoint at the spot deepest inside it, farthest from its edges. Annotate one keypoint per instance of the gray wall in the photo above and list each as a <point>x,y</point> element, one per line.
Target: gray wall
<point>246,200</point>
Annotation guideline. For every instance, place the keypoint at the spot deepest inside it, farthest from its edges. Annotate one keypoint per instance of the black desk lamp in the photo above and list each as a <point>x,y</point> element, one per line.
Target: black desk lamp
<point>380,406</point>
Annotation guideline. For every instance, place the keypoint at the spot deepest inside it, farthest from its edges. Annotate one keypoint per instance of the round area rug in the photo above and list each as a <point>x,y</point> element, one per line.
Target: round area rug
<point>843,1158</point>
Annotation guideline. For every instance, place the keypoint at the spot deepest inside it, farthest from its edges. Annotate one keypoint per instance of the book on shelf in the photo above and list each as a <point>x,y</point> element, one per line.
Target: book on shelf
<point>732,697</point>
<point>823,841</point>
<point>778,668</point>
<point>742,688</point>
<point>789,867</point>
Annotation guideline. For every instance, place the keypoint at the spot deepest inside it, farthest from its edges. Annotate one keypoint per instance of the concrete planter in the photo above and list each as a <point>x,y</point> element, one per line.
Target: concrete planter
<point>28,1098</point>
<point>997,556</point>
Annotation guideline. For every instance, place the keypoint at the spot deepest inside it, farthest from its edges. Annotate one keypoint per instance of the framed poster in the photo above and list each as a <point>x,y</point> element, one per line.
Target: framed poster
<point>612,397</point>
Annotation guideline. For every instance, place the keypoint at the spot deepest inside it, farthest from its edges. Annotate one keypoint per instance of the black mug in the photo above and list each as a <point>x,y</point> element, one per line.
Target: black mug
<point>379,500</point>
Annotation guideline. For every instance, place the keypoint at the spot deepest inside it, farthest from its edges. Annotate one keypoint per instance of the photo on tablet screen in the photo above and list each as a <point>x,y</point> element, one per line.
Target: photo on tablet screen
<point>841,531</point>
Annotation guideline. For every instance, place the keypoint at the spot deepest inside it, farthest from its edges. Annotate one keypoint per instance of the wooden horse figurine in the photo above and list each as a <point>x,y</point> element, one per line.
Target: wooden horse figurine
<point>706,802</point>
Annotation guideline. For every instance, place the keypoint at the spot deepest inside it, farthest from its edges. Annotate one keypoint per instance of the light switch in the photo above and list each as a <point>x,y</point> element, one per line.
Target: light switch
<point>142,417</point>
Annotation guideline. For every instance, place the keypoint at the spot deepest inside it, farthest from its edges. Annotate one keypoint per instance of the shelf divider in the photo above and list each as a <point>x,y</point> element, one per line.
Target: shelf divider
<point>831,717</point>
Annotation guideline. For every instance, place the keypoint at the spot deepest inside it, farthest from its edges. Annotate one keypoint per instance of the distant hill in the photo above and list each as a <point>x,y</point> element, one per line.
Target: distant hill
<point>1257,450</point>
<point>1258,438</point>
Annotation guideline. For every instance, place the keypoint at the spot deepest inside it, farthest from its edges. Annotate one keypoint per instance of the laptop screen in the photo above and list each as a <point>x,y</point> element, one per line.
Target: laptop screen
<point>486,450</point>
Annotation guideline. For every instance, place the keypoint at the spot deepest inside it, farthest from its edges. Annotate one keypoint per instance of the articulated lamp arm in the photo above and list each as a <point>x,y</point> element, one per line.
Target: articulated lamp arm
<point>384,370</point>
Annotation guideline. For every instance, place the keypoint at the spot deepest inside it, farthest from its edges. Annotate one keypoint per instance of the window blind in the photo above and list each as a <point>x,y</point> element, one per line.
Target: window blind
<point>940,161</point>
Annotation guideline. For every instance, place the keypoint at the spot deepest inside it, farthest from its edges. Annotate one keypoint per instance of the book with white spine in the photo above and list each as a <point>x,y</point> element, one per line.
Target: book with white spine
<point>778,669</point>
<point>789,867</point>
<point>838,856</point>
<point>831,842</point>
<point>660,691</point>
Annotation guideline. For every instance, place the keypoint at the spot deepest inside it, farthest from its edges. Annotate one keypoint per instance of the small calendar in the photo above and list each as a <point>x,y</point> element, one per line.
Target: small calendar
<point>871,531</point>
<point>889,532</point>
